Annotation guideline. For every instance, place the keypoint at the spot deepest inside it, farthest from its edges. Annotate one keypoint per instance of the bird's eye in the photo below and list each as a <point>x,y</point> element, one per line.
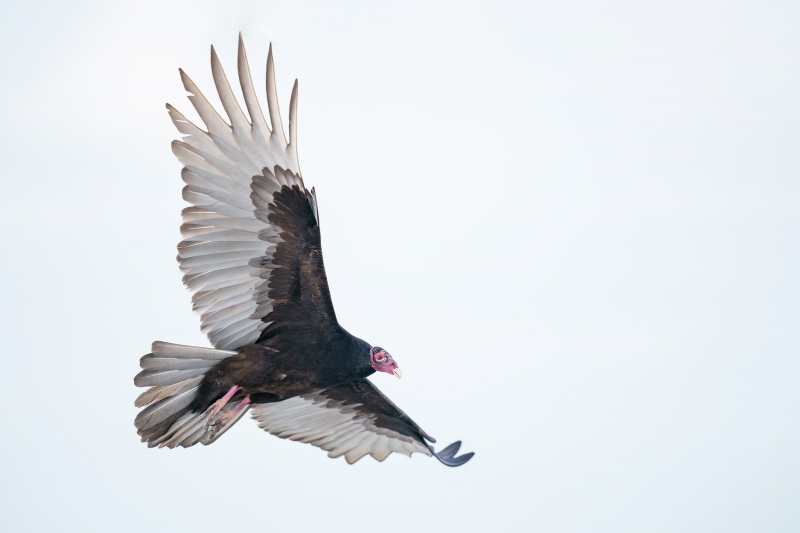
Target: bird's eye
<point>380,358</point>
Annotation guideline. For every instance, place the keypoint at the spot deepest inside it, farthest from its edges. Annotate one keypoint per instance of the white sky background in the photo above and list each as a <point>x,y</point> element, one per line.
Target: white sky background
<point>575,225</point>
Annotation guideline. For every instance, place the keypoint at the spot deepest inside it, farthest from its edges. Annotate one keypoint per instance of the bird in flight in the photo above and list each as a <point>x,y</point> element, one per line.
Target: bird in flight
<point>251,255</point>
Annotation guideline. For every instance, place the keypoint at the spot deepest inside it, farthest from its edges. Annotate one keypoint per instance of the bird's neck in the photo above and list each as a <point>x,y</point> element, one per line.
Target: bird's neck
<point>349,359</point>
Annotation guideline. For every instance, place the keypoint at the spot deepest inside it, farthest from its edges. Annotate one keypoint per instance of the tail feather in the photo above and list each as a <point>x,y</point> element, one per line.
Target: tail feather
<point>154,435</point>
<point>180,351</point>
<point>174,373</point>
<point>151,362</point>
<point>162,409</point>
<point>175,432</point>
<point>154,378</point>
<point>154,394</point>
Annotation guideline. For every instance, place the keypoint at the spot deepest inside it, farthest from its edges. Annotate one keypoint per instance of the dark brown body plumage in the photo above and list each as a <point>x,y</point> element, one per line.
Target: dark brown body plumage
<point>270,374</point>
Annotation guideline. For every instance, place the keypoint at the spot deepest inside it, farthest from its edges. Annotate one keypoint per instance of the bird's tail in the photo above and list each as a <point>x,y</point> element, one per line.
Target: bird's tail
<point>174,373</point>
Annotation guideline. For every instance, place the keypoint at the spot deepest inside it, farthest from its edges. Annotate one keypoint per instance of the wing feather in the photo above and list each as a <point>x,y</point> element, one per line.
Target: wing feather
<point>272,103</point>
<point>238,120</point>
<point>235,171</point>
<point>350,420</point>
<point>260,131</point>
<point>213,121</point>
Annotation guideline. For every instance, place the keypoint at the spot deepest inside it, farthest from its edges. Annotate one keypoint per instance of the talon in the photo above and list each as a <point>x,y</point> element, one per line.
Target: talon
<point>213,410</point>
<point>218,405</point>
<point>215,427</point>
<point>226,417</point>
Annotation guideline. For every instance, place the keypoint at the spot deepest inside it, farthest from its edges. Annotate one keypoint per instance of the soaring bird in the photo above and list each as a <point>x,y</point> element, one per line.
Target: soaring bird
<point>251,256</point>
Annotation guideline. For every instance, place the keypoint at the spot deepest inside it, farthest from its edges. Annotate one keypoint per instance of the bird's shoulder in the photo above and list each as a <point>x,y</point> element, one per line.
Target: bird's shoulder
<point>324,361</point>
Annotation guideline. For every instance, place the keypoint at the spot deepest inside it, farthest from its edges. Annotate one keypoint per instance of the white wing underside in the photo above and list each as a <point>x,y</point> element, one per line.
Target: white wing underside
<point>227,230</point>
<point>339,429</point>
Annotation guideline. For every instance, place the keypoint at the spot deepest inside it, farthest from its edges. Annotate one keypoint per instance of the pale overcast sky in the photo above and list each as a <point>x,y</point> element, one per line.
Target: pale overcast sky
<point>574,224</point>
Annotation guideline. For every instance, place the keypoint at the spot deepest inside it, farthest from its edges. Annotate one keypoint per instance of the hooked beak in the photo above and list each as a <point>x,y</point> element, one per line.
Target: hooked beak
<point>397,372</point>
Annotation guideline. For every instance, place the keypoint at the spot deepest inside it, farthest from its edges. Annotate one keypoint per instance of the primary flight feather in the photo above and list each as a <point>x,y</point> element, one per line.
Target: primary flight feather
<point>251,255</point>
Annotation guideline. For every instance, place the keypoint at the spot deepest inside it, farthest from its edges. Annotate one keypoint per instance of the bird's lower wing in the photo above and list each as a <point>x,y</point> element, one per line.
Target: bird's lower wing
<point>351,420</point>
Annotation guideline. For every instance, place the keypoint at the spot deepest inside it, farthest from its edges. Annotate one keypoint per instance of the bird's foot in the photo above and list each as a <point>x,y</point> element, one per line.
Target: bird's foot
<point>227,417</point>
<point>219,404</point>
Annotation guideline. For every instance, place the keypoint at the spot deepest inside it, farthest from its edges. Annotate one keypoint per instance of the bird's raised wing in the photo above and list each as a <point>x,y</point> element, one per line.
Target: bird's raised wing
<point>353,420</point>
<point>251,252</point>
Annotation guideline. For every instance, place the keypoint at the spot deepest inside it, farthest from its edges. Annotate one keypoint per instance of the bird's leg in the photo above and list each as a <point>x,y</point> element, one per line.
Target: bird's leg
<point>219,404</point>
<point>228,416</point>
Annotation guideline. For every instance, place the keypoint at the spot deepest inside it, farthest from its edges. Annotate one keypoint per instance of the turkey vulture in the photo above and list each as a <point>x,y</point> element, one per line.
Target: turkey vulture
<point>252,257</point>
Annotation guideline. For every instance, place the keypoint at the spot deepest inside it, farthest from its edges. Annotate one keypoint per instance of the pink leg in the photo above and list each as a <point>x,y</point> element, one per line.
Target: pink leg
<point>241,405</point>
<point>228,416</point>
<point>219,404</point>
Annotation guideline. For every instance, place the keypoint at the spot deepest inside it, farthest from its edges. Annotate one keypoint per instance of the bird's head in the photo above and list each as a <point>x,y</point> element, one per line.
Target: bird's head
<point>383,362</point>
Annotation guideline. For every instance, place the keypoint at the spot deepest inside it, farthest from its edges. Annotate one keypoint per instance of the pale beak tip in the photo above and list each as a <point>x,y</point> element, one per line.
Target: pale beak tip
<point>398,373</point>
